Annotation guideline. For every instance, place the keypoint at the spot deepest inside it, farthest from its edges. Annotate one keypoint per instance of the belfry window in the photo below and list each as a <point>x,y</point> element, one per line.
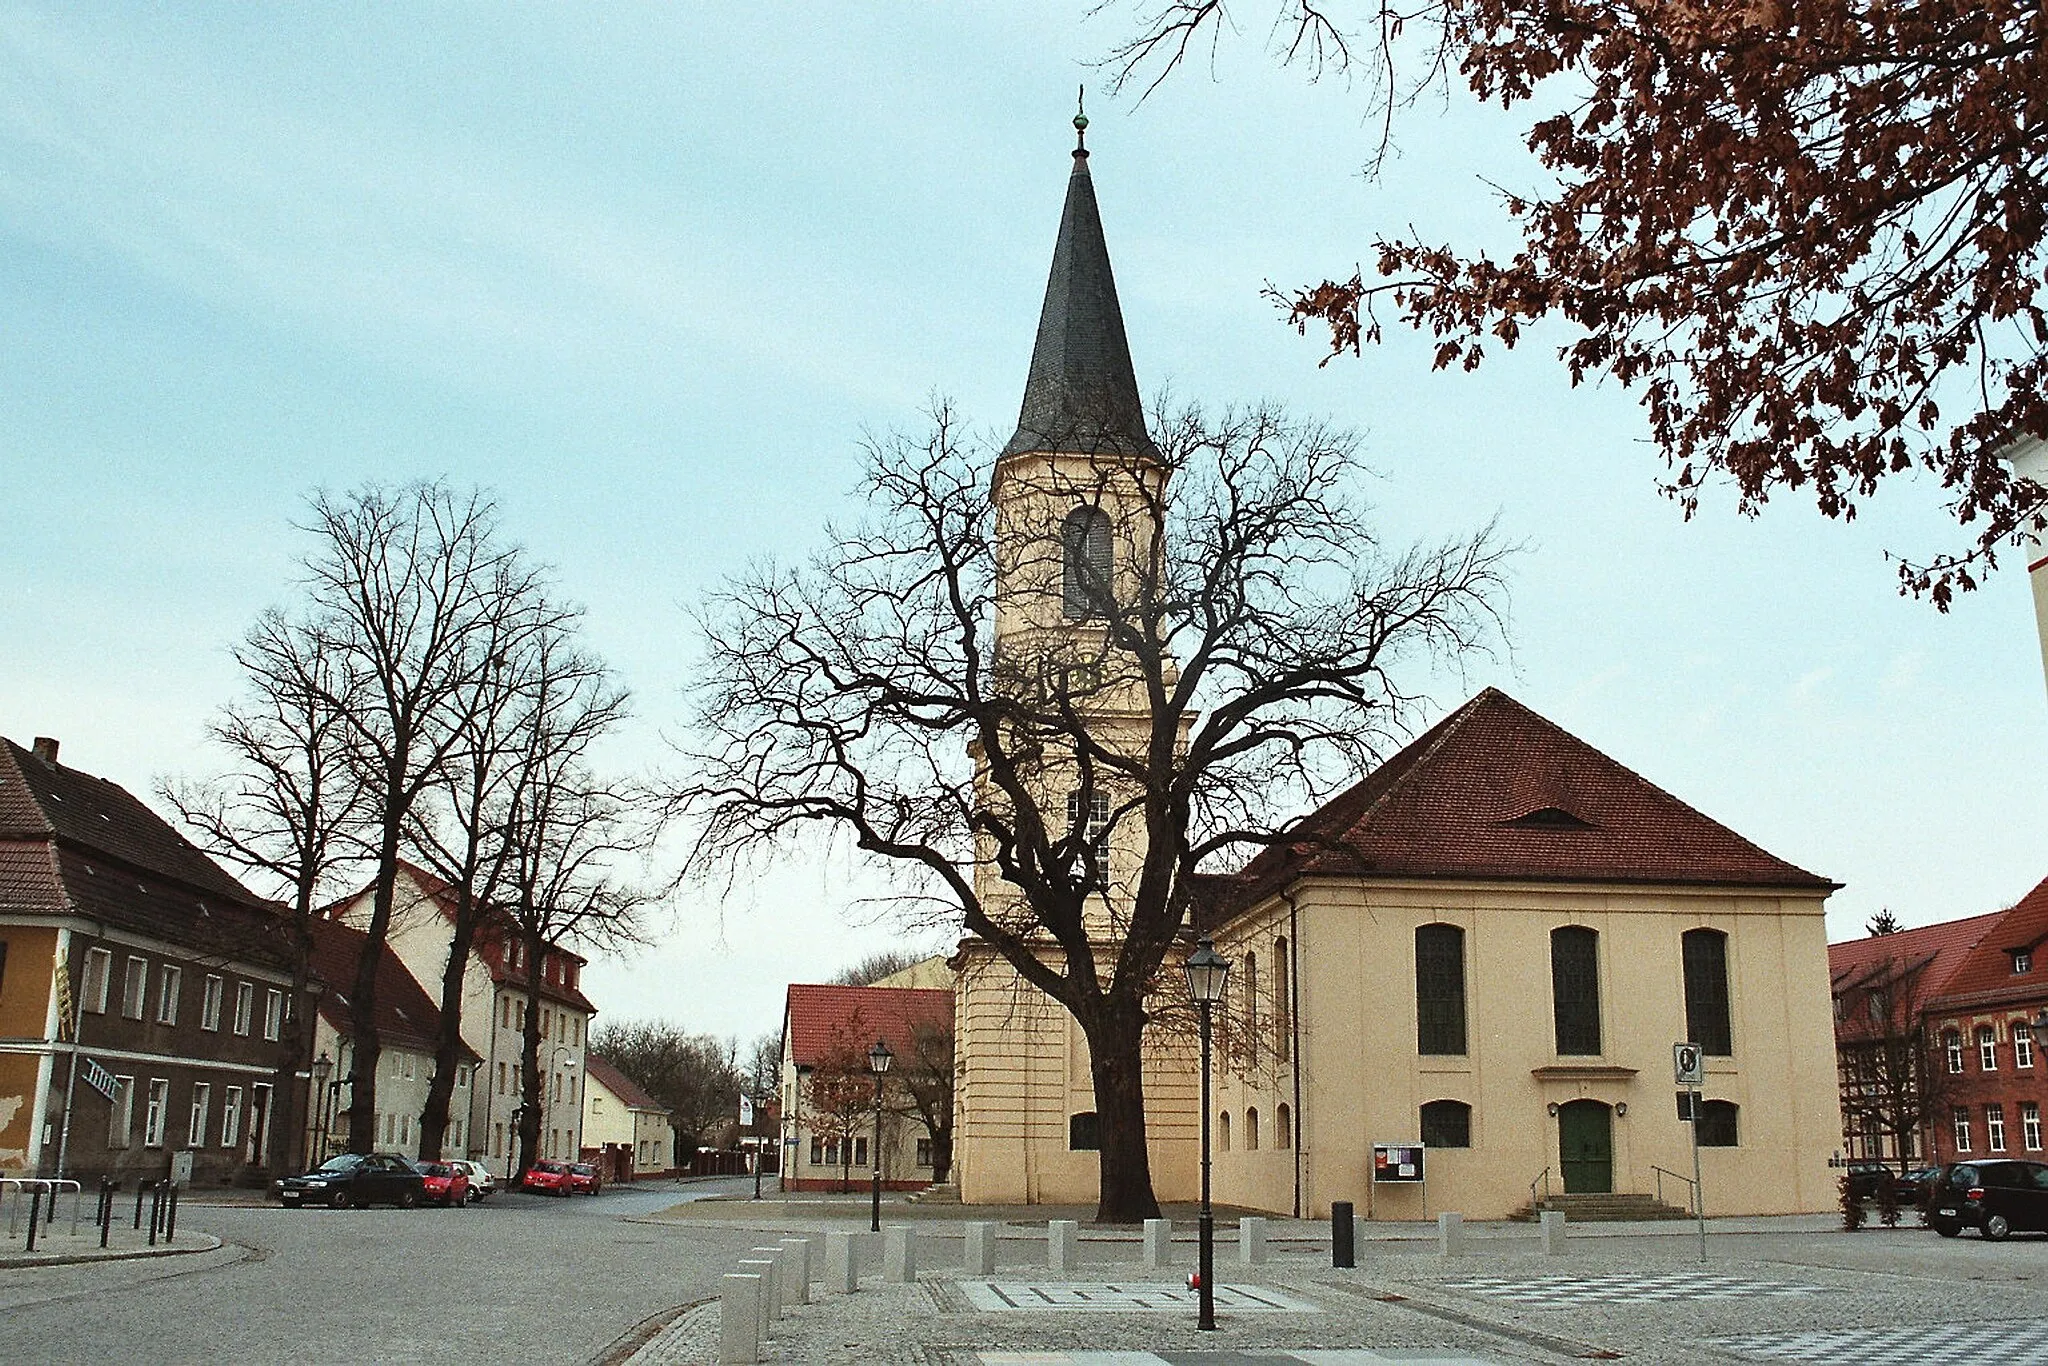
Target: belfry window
<point>1084,563</point>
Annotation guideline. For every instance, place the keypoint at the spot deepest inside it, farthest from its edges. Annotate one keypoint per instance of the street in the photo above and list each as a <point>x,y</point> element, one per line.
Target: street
<point>520,1277</point>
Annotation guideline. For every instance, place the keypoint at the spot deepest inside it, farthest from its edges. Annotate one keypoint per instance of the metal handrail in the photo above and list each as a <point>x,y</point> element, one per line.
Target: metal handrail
<point>1543,1180</point>
<point>1692,1188</point>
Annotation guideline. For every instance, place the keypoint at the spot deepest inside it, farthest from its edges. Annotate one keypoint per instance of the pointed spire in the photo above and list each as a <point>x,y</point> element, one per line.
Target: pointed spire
<point>1081,396</point>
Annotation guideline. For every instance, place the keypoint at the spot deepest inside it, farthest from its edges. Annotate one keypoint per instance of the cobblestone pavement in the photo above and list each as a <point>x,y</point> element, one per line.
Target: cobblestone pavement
<point>518,1278</point>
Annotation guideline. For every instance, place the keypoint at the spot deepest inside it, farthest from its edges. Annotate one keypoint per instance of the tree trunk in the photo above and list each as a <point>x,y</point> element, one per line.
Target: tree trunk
<point>362,1001</point>
<point>448,1047</point>
<point>1116,1058</point>
<point>942,1155</point>
<point>532,1093</point>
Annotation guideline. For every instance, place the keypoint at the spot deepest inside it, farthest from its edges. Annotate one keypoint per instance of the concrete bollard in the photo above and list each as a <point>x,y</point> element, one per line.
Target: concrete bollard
<point>779,1261</point>
<point>739,1320</point>
<point>1062,1238</point>
<point>899,1254</point>
<point>796,1284</point>
<point>978,1256</point>
<point>764,1302</point>
<point>1158,1243</point>
<point>1251,1240</point>
<point>842,1263</point>
<point>1343,1234</point>
<point>1552,1221</point>
<point>1450,1234</point>
<point>1360,1226</point>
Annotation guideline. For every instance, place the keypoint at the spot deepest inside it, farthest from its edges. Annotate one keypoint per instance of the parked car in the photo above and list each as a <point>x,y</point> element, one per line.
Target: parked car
<point>355,1179</point>
<point>584,1179</point>
<point>548,1177</point>
<point>481,1182</point>
<point>1910,1187</point>
<point>1996,1198</point>
<point>1867,1178</point>
<point>444,1183</point>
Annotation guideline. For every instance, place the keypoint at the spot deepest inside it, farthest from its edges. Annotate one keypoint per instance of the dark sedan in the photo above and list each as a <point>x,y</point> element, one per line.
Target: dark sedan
<point>355,1179</point>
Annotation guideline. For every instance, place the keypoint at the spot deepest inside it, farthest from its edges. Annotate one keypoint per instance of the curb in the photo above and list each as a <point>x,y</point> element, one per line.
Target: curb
<point>8,1261</point>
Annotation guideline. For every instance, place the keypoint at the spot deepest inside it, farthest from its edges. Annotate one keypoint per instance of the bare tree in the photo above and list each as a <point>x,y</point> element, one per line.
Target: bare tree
<point>1051,738</point>
<point>877,965</point>
<point>290,804</point>
<point>694,1076</point>
<point>926,1077</point>
<point>1894,1085</point>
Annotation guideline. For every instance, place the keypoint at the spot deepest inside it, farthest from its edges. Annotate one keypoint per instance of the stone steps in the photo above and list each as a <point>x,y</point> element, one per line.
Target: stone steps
<point>936,1195</point>
<point>1606,1208</point>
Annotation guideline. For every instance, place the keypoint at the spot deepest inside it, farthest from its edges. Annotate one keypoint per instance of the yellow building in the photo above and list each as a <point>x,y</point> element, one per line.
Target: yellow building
<point>1488,947</point>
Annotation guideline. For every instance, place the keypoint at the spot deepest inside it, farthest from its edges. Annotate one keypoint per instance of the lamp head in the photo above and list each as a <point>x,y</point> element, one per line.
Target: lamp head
<point>1207,971</point>
<point>879,1058</point>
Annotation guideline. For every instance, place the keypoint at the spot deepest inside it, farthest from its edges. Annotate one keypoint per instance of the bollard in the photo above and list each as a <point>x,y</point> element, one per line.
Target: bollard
<point>141,1189</point>
<point>1450,1234</point>
<point>1552,1221</point>
<point>35,1219</point>
<point>1251,1240</point>
<point>1343,1230</point>
<point>156,1211</point>
<point>780,1263</point>
<point>1061,1239</point>
<point>978,1256</point>
<point>899,1254</point>
<point>796,1286</point>
<point>842,1263</point>
<point>739,1320</point>
<point>171,1218</point>
<point>764,1312</point>
<point>1358,1232</point>
<point>1158,1243</point>
<point>106,1218</point>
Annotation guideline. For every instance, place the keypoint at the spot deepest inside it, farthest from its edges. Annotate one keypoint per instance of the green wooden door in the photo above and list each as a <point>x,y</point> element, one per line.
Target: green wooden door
<point>1585,1147</point>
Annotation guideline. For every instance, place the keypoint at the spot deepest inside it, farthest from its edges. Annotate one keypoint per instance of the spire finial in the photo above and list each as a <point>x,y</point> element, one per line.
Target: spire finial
<point>1081,121</point>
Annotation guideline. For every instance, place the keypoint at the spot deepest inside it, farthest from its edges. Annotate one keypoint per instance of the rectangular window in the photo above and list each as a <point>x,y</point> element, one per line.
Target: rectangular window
<point>1962,1122</point>
<point>817,1151</point>
<point>1440,990</point>
<point>273,1015</point>
<point>2022,1046</point>
<point>168,981</point>
<point>831,1152</point>
<point>153,1116</point>
<point>1952,1045</point>
<point>92,986</point>
<point>2022,961</point>
<point>1575,990</point>
<point>245,1003</point>
<point>1994,1126</point>
<point>259,1122</point>
<point>497,1140</point>
<point>501,1079</point>
<point>404,1129</point>
<point>860,1152</point>
<point>1705,955</point>
<point>924,1152</point>
<point>209,1004</point>
<point>230,1116</point>
<point>202,1101</point>
<point>121,1123</point>
<point>408,1067</point>
<point>134,987</point>
<point>1987,1048</point>
<point>2030,1125</point>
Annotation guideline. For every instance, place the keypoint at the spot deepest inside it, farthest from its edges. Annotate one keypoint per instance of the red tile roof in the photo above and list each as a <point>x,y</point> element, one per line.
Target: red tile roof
<point>629,1092</point>
<point>1984,976</point>
<point>822,1020</point>
<point>1933,950</point>
<point>1496,792</point>
<point>406,1015</point>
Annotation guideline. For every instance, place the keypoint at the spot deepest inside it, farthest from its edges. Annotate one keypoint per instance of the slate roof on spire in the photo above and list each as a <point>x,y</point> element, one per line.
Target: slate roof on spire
<point>1082,394</point>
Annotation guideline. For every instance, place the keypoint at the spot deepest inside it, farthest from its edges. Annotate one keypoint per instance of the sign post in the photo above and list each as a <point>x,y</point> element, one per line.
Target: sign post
<point>1689,1069</point>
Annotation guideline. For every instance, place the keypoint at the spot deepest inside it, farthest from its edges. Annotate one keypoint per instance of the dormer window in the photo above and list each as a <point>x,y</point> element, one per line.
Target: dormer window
<point>1551,818</point>
<point>2022,962</point>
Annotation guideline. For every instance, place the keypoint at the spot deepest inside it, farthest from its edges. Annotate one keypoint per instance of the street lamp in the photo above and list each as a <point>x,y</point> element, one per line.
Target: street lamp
<point>323,1067</point>
<point>1207,972</point>
<point>879,1058</point>
<point>759,1100</point>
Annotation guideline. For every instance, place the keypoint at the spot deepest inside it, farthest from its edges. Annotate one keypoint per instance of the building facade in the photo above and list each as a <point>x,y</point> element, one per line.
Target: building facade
<point>828,1097</point>
<point>625,1130</point>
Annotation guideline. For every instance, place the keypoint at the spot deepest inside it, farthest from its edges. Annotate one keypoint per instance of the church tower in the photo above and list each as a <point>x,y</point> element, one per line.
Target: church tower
<point>1078,493</point>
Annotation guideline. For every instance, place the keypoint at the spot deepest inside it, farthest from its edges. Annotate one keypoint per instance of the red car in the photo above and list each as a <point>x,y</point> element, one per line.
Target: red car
<point>446,1184</point>
<point>583,1178</point>
<point>549,1178</point>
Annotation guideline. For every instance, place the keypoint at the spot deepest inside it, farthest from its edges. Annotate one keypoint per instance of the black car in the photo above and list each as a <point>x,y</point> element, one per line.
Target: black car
<point>1996,1198</point>
<point>356,1179</point>
<point>1867,1178</point>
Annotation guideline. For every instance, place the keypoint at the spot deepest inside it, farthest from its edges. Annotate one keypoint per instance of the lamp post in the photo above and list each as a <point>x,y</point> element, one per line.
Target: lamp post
<point>1207,972</point>
<point>322,1069</point>
<point>879,1058</point>
<point>758,1101</point>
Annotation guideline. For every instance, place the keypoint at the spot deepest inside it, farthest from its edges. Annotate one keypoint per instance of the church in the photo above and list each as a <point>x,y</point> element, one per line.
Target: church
<point>1459,988</point>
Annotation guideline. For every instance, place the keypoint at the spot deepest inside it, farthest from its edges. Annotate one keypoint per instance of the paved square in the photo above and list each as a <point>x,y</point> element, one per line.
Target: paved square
<point>1127,1298</point>
<point>1941,1344</point>
<point>1572,1292</point>
<point>1356,1357</point>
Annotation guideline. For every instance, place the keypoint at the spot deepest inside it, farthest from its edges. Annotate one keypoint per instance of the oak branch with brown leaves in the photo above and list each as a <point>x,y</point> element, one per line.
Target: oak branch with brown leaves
<point>1256,648</point>
<point>1810,232</point>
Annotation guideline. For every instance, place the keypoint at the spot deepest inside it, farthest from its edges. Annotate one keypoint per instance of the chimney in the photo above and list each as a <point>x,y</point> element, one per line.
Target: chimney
<point>46,750</point>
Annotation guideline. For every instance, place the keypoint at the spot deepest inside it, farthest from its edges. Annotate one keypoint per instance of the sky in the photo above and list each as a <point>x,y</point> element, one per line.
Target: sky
<point>650,273</point>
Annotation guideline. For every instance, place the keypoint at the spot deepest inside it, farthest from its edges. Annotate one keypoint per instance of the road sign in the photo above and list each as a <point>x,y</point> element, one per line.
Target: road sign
<point>1687,1065</point>
<point>746,1111</point>
<point>97,1077</point>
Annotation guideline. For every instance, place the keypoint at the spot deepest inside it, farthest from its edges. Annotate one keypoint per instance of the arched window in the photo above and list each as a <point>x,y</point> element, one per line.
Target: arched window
<point>1705,953</point>
<point>1447,1124</point>
<point>1084,1132</point>
<point>1223,1132</point>
<point>1084,563</point>
<point>1575,989</point>
<point>1717,1123</point>
<point>1251,1130</point>
<point>1283,1005</point>
<point>1251,1010</point>
<point>1439,989</point>
<point>1283,1127</point>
